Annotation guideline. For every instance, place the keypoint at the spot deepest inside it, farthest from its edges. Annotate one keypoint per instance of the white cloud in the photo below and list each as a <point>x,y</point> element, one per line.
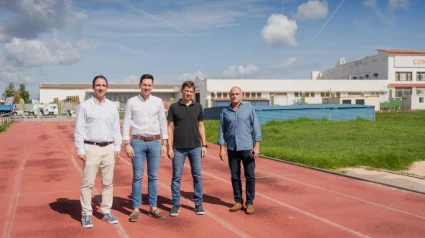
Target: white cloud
<point>288,63</point>
<point>280,31</point>
<point>33,53</point>
<point>312,10</point>
<point>235,71</point>
<point>192,76</point>
<point>369,3</point>
<point>28,19</point>
<point>9,73</point>
<point>398,3</point>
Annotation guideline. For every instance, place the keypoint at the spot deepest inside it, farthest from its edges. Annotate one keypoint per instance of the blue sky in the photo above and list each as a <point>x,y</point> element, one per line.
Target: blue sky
<point>60,41</point>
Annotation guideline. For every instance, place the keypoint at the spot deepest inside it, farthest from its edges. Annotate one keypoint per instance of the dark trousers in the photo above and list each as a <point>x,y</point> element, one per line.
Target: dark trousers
<point>235,158</point>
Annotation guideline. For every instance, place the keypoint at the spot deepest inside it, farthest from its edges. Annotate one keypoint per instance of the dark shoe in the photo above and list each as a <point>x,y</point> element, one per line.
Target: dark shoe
<point>250,209</point>
<point>175,211</point>
<point>134,216</point>
<point>236,207</point>
<point>156,214</point>
<point>199,209</point>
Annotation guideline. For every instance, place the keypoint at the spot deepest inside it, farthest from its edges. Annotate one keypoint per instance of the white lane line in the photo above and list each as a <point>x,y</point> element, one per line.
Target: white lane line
<point>295,209</point>
<point>214,217</point>
<point>338,193</point>
<point>11,211</point>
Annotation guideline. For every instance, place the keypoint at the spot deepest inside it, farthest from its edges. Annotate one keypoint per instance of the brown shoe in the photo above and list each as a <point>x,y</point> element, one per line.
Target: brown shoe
<point>250,209</point>
<point>134,216</point>
<point>156,214</point>
<point>236,207</point>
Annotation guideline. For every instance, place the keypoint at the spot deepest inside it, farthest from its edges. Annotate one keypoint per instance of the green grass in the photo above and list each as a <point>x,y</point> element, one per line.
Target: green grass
<point>4,127</point>
<point>393,141</point>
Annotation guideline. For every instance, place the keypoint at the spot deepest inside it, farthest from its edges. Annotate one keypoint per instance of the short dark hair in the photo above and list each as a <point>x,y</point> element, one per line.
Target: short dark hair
<point>189,84</point>
<point>146,76</point>
<point>99,76</point>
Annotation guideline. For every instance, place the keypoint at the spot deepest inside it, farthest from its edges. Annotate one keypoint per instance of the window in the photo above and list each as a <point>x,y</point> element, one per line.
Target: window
<point>312,94</point>
<point>338,94</point>
<point>421,100</point>
<point>212,95</point>
<point>259,95</point>
<point>420,76</point>
<point>297,94</point>
<point>325,94</point>
<point>403,76</point>
<point>346,101</point>
<point>400,92</point>
<point>225,95</point>
<point>360,101</point>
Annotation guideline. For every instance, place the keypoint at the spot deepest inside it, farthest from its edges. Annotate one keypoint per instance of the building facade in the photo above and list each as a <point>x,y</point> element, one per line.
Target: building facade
<point>119,93</point>
<point>388,74</point>
<point>403,71</point>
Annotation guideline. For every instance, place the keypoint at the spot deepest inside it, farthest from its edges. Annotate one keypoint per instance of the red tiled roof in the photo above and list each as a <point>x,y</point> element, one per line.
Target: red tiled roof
<point>403,52</point>
<point>422,85</point>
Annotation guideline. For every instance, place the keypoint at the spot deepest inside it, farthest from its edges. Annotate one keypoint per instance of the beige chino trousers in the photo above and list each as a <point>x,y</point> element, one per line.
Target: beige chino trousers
<point>103,158</point>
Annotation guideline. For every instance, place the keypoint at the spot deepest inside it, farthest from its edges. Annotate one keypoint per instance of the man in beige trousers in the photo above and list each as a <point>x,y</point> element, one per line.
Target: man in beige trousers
<point>98,140</point>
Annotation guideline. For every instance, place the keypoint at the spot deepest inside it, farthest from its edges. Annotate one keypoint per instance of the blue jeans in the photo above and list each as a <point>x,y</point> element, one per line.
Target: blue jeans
<point>195,159</point>
<point>235,158</point>
<point>151,150</point>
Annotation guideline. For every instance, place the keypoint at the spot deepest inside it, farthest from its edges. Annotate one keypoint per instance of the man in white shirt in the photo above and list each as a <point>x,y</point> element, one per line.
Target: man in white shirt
<point>98,140</point>
<point>146,115</point>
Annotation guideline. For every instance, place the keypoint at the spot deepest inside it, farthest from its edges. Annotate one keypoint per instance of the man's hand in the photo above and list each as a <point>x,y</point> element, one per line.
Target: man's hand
<point>256,152</point>
<point>204,152</point>
<point>163,150</point>
<point>223,154</point>
<point>170,153</point>
<point>83,157</point>
<point>117,155</point>
<point>129,151</point>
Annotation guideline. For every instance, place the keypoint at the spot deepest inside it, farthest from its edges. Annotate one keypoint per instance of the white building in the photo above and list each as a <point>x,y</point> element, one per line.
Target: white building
<point>389,74</point>
<point>116,92</point>
<point>402,71</point>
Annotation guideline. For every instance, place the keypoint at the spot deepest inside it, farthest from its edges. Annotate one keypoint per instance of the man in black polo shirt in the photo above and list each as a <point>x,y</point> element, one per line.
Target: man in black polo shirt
<point>186,137</point>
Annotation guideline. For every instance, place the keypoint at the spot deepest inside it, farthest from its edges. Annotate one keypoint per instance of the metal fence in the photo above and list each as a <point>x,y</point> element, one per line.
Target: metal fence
<point>6,118</point>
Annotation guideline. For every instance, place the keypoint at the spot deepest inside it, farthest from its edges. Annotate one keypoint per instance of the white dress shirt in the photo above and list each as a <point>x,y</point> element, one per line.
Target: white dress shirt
<point>97,122</point>
<point>146,117</point>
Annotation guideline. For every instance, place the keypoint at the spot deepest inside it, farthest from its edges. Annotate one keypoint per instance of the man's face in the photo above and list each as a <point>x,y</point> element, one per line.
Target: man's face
<point>235,95</point>
<point>100,87</point>
<point>187,93</point>
<point>146,86</point>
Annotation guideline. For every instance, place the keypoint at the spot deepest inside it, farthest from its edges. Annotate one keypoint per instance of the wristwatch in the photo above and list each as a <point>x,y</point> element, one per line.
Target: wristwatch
<point>205,146</point>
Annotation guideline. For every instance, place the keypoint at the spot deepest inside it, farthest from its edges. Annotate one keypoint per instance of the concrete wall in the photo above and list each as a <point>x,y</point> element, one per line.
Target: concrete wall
<point>291,90</point>
<point>414,102</point>
<point>369,101</point>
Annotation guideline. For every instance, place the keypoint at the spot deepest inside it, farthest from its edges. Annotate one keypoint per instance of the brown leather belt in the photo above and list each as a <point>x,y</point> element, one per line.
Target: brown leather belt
<point>147,138</point>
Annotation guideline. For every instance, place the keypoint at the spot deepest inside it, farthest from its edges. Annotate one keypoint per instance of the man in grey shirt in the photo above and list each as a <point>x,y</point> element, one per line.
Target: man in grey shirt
<point>240,130</point>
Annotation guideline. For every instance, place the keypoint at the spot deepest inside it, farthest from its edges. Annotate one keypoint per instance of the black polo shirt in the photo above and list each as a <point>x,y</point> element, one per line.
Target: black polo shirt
<point>186,126</point>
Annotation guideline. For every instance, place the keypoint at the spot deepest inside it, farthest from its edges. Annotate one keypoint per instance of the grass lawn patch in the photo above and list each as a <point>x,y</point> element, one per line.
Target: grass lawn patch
<point>393,141</point>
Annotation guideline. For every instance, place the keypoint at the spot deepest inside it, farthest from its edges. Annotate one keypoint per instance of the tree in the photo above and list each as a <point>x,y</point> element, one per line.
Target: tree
<point>9,91</point>
<point>17,97</point>
<point>24,93</point>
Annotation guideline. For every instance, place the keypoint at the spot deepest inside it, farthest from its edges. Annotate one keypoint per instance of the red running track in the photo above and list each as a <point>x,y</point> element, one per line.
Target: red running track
<point>40,177</point>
